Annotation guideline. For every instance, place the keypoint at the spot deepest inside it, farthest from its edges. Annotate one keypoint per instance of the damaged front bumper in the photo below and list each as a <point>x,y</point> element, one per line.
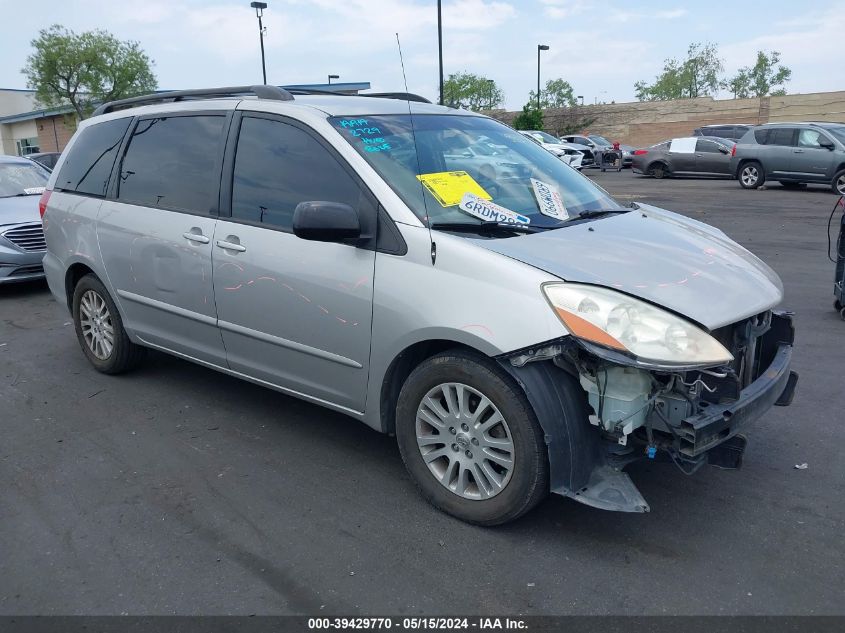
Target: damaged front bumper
<point>691,418</point>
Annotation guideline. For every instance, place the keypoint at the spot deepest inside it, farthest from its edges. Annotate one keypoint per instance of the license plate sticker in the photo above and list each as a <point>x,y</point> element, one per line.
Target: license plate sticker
<point>449,187</point>
<point>549,200</point>
<point>490,211</point>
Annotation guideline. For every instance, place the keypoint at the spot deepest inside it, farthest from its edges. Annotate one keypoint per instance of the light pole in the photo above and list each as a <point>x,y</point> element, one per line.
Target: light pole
<point>440,45</point>
<point>540,47</point>
<point>490,87</point>
<point>333,77</point>
<point>581,97</point>
<point>259,13</point>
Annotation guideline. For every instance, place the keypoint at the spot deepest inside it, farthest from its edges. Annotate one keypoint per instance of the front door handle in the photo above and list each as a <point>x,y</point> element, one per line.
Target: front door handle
<point>231,246</point>
<point>799,151</point>
<point>199,238</point>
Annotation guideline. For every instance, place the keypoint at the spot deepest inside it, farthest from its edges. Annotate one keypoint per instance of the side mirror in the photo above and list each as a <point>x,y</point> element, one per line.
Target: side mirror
<point>322,221</point>
<point>826,144</point>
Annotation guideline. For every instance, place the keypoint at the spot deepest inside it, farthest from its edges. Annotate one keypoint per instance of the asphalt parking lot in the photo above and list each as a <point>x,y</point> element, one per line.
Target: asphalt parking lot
<point>176,489</point>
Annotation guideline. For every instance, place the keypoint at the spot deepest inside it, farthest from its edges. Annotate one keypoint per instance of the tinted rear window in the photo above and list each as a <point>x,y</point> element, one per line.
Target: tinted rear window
<point>171,162</point>
<point>89,161</point>
<point>781,136</point>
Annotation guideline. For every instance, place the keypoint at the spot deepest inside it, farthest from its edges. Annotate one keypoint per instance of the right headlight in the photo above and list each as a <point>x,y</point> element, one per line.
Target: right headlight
<point>625,324</point>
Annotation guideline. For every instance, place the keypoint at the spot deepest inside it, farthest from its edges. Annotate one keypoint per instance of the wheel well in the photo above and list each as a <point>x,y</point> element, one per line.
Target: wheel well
<point>841,167</point>
<point>401,368</point>
<point>652,164</point>
<point>72,277</point>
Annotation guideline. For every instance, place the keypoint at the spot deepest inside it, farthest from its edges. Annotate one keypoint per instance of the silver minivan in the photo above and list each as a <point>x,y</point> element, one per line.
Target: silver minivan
<point>518,330</point>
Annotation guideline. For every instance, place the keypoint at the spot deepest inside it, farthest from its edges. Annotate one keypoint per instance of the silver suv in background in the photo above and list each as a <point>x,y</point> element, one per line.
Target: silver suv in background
<point>521,333</point>
<point>794,154</point>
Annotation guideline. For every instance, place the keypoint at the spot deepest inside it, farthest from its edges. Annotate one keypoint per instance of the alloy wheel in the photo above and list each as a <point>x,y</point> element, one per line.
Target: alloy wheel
<point>96,324</point>
<point>750,175</point>
<point>465,441</point>
<point>840,184</point>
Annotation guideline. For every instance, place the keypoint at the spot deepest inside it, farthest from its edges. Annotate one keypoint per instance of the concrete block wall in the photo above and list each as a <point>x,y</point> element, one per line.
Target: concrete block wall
<point>648,122</point>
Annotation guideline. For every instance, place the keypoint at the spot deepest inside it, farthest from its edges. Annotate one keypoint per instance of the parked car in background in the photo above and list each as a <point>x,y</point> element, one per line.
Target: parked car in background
<point>518,338</point>
<point>47,159</point>
<point>733,131</point>
<point>22,245</point>
<point>688,156</point>
<point>794,154</point>
<point>627,154</point>
<point>568,153</point>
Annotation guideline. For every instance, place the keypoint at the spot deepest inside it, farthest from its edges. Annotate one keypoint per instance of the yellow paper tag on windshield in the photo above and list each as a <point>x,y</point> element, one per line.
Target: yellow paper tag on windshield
<point>449,187</point>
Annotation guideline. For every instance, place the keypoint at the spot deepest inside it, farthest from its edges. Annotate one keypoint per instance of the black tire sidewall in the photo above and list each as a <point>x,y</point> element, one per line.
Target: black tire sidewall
<point>119,359</point>
<point>836,177</point>
<point>529,480</point>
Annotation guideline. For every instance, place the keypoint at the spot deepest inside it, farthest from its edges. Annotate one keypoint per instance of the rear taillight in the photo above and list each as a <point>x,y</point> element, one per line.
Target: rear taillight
<point>640,152</point>
<point>733,151</point>
<point>42,203</point>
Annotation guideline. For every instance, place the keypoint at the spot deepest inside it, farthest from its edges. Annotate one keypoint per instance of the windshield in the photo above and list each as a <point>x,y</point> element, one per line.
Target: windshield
<point>545,137</point>
<point>444,178</point>
<point>838,132</point>
<point>599,140</point>
<point>21,179</point>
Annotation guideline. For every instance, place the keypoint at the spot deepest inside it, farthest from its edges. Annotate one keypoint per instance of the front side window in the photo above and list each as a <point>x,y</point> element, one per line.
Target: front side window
<point>708,147</point>
<point>277,166</point>
<point>171,162</point>
<point>21,179</point>
<point>838,132</point>
<point>89,161</point>
<point>429,162</point>
<point>810,138</point>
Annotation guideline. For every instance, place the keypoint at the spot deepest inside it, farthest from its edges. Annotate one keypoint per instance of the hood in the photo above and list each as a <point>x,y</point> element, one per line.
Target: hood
<point>684,265</point>
<point>19,209</point>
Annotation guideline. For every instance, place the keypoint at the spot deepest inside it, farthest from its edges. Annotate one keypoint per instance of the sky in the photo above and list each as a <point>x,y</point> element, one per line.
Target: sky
<point>600,46</point>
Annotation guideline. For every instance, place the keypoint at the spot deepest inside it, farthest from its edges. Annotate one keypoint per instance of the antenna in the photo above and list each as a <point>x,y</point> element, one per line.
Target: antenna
<point>417,153</point>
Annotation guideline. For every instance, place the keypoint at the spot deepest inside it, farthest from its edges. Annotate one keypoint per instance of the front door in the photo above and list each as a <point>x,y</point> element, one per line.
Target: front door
<point>155,238</point>
<point>711,158</point>
<point>292,312</point>
<point>811,161</point>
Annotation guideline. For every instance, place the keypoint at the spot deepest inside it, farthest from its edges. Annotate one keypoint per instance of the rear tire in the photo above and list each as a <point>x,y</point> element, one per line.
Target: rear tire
<point>838,183</point>
<point>99,329</point>
<point>751,175</point>
<point>483,471</point>
<point>658,170</point>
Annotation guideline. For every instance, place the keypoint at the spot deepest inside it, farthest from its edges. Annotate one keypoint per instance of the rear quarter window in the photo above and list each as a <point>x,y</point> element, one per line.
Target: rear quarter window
<point>90,159</point>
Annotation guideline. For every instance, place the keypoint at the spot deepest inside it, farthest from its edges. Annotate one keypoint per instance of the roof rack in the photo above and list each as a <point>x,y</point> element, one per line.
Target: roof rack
<point>401,96</point>
<point>262,92</point>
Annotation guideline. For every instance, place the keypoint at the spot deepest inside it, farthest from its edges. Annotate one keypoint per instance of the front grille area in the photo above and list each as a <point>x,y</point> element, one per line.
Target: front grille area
<point>29,237</point>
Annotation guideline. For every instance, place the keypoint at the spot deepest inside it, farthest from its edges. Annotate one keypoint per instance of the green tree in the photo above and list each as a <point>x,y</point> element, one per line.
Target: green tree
<point>83,69</point>
<point>529,119</point>
<point>696,76</point>
<point>762,78</point>
<point>557,94</point>
<point>472,92</point>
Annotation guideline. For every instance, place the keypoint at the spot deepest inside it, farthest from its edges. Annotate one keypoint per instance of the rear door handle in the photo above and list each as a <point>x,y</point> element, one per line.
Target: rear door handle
<point>231,246</point>
<point>799,151</point>
<point>199,238</point>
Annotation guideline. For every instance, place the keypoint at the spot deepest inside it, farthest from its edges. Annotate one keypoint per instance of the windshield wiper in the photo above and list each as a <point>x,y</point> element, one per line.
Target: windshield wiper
<point>595,213</point>
<point>487,227</point>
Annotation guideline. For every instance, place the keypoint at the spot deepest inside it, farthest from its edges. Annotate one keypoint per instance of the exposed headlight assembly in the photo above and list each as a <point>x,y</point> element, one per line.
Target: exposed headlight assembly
<point>624,324</point>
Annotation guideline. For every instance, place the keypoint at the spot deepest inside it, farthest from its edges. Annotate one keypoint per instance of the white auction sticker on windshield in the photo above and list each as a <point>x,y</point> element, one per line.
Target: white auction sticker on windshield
<point>551,204</point>
<point>490,211</point>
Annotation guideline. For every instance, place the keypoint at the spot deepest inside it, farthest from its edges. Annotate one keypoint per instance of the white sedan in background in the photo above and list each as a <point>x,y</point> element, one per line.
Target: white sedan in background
<point>572,155</point>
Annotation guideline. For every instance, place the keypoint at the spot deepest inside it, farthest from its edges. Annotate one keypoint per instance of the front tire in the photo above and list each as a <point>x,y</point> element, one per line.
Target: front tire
<point>838,183</point>
<point>99,329</point>
<point>751,175</point>
<point>470,439</point>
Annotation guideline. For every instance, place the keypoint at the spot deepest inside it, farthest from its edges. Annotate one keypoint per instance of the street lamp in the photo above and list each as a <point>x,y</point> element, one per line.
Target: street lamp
<point>540,47</point>
<point>581,97</point>
<point>333,77</point>
<point>440,45</point>
<point>491,85</point>
<point>259,13</point>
